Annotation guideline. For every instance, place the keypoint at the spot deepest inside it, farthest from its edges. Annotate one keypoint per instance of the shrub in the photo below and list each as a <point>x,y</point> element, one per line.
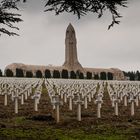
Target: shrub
<point>38,74</point>
<point>9,73</point>
<point>81,75</point>
<point>29,74</point>
<point>96,77</point>
<point>19,73</point>
<point>47,73</point>
<point>72,75</point>
<point>56,74</point>
<point>89,75</point>
<point>64,74</point>
<point>110,76</point>
<point>0,73</point>
<point>103,76</point>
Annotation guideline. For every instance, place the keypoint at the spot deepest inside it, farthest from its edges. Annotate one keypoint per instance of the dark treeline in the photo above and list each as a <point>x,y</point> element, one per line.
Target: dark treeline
<point>132,75</point>
<point>65,74</point>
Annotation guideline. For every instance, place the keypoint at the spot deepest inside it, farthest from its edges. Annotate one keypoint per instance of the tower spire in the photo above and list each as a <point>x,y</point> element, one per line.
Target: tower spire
<point>71,59</point>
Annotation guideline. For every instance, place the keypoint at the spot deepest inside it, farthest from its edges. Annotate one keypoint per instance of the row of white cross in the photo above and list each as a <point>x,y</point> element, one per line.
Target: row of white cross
<point>122,92</point>
<point>80,92</point>
<point>71,92</point>
<point>20,89</point>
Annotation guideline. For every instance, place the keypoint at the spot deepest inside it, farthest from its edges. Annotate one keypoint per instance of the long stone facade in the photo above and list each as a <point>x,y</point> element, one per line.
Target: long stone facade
<point>71,62</point>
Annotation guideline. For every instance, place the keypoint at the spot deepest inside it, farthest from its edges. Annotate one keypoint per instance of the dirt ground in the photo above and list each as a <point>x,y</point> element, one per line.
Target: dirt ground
<point>30,124</point>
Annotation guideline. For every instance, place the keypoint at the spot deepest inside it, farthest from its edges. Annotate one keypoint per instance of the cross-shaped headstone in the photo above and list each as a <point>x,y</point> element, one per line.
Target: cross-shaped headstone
<point>57,103</point>
<point>79,102</point>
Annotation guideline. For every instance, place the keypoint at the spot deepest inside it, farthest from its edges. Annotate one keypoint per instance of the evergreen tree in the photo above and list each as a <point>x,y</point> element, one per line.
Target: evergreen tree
<point>72,75</point>
<point>29,74</point>
<point>56,74</point>
<point>19,72</point>
<point>77,74</point>
<point>47,73</point>
<point>9,73</point>
<point>110,76</point>
<point>0,73</point>
<point>125,73</point>
<point>103,76</point>
<point>131,76</point>
<point>38,74</point>
<point>138,75</point>
<point>89,75</point>
<point>64,74</point>
<point>96,77</point>
<point>81,75</point>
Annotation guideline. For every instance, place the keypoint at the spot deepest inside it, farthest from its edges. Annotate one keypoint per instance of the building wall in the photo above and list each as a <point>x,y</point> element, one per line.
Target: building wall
<point>117,74</point>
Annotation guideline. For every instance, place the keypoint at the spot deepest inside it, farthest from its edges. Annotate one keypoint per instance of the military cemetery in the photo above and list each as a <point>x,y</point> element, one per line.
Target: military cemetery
<point>60,96</point>
<point>74,100</point>
<point>78,93</point>
<point>67,100</point>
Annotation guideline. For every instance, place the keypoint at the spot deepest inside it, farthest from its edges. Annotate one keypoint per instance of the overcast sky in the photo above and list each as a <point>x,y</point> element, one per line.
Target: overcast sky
<point>42,39</point>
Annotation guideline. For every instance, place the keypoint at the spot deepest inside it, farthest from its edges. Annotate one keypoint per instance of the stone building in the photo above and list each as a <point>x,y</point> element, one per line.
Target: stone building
<point>71,62</point>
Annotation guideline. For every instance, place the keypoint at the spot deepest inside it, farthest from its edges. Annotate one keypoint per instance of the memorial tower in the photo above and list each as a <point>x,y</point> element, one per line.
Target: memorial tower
<point>71,59</point>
